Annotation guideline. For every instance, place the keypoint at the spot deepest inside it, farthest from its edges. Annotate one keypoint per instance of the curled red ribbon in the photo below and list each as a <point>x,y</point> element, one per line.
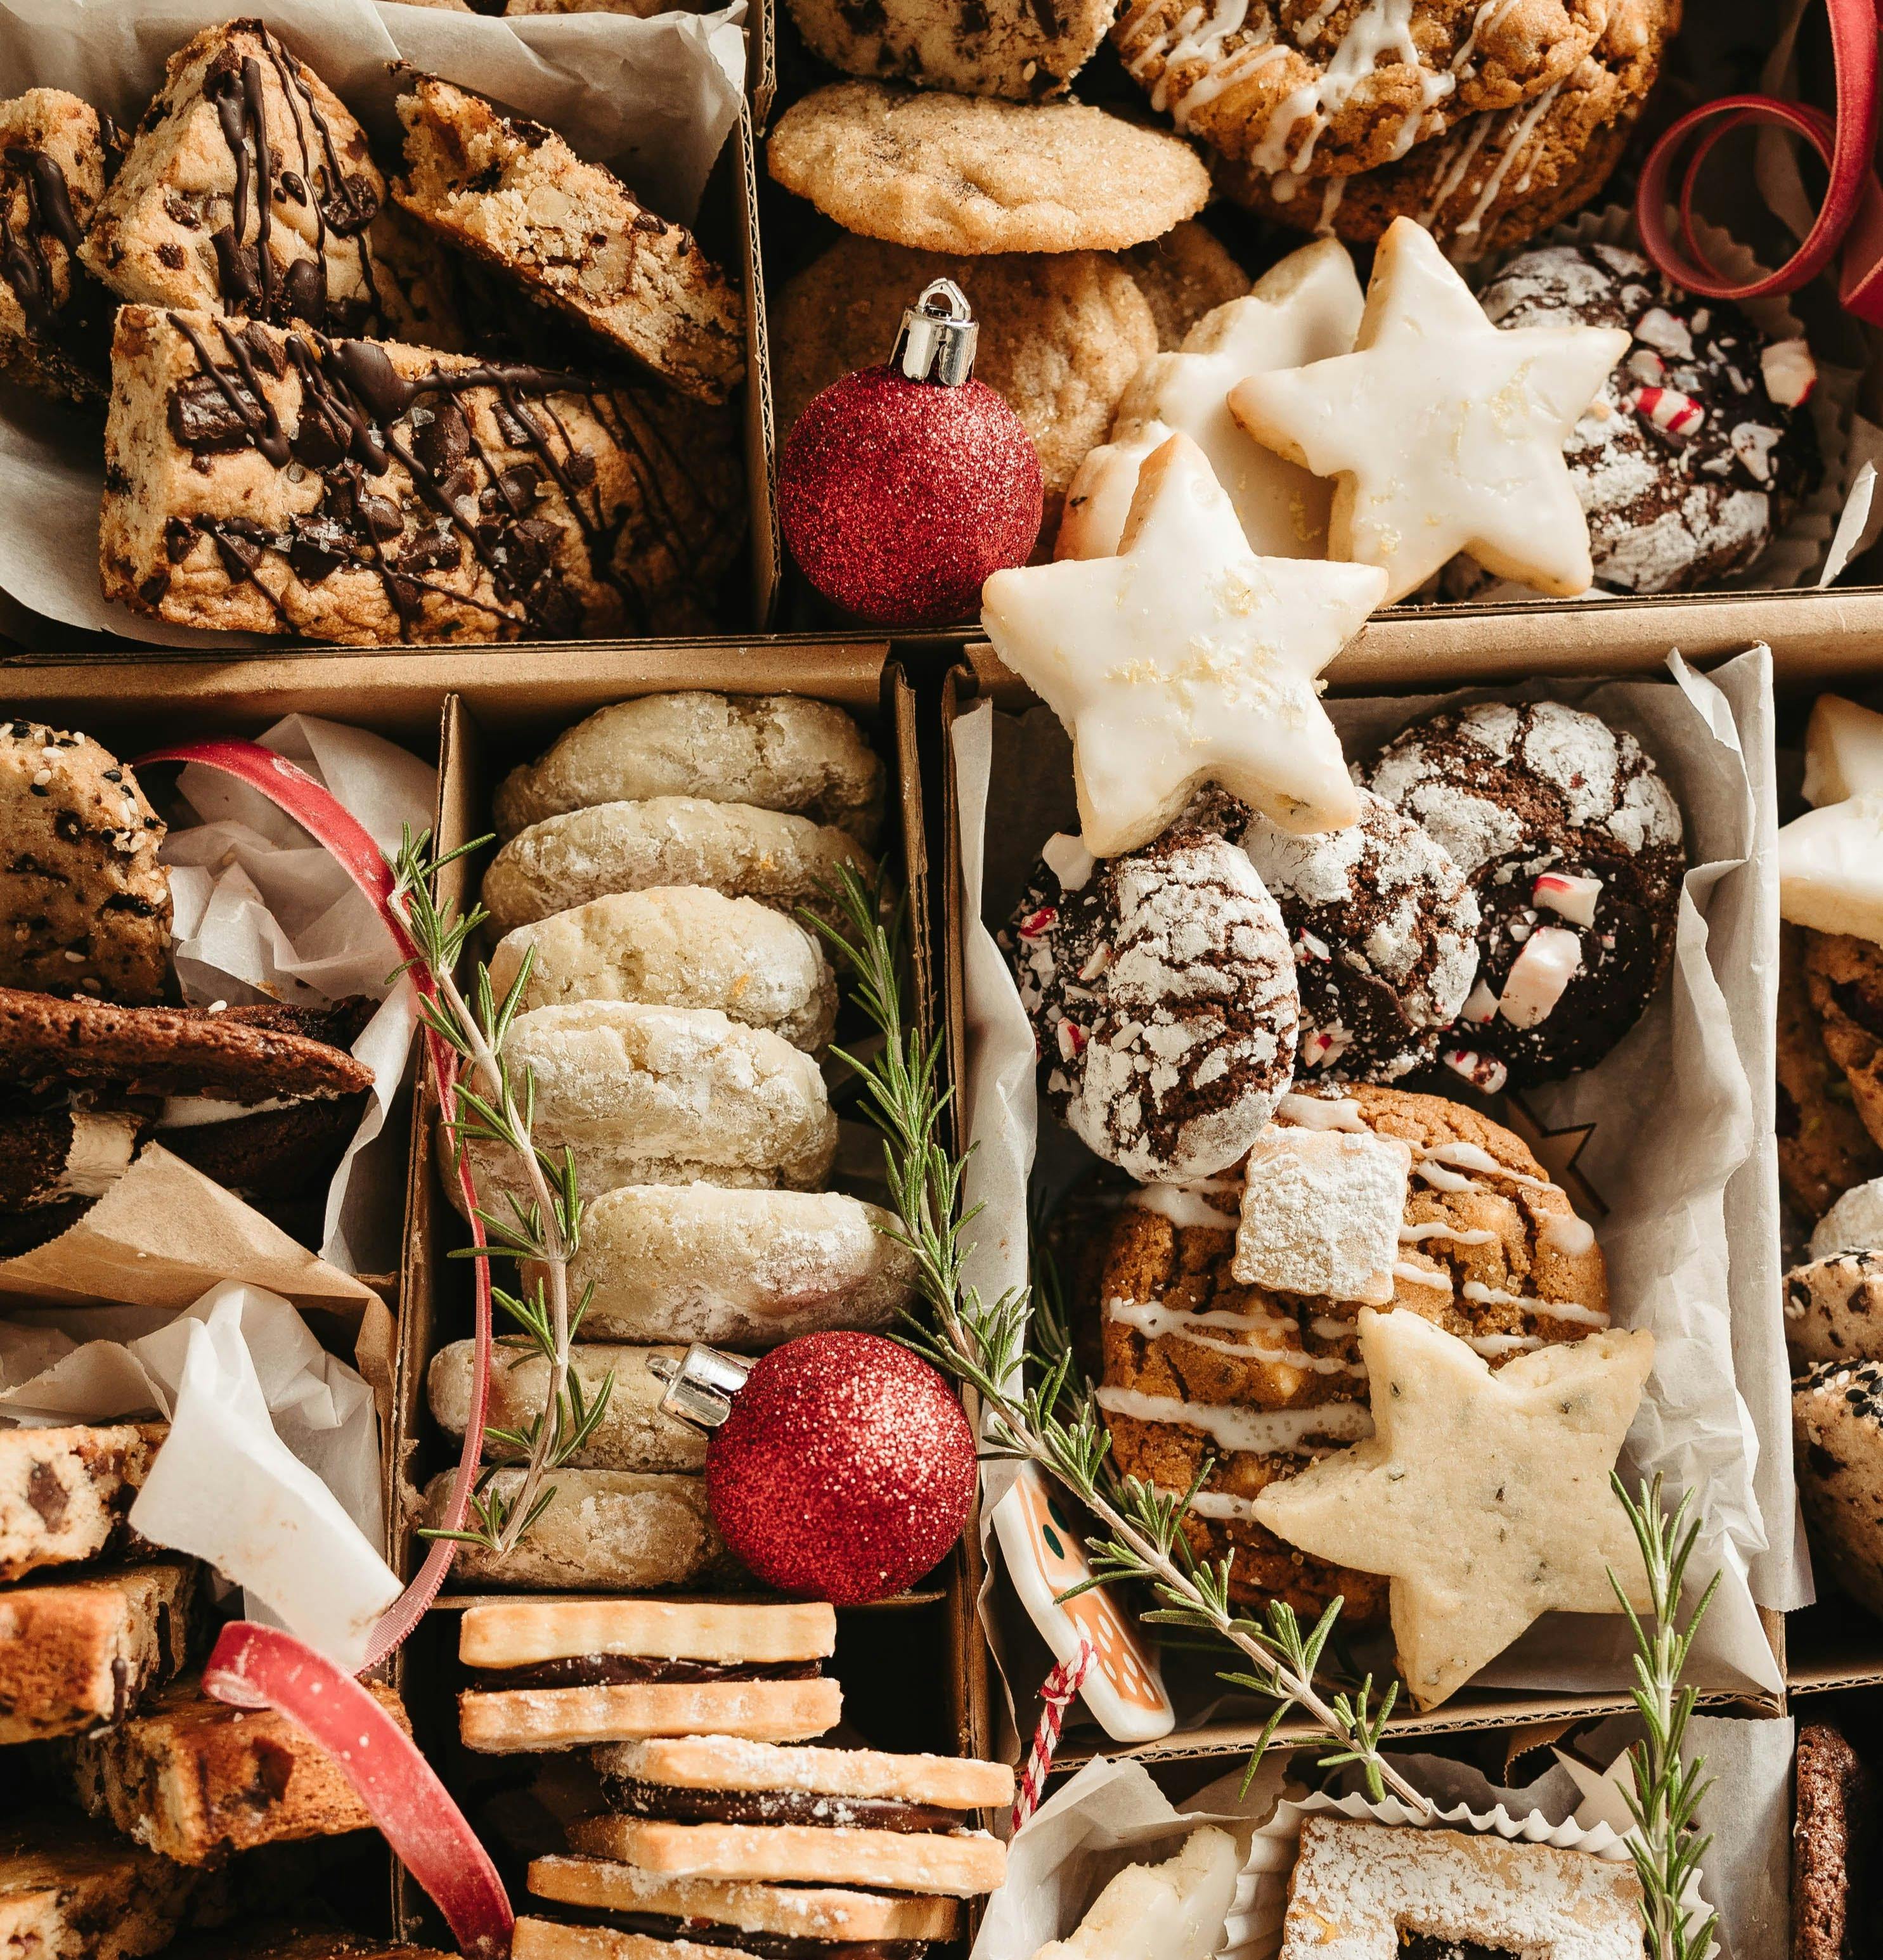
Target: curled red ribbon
<point>1851,215</point>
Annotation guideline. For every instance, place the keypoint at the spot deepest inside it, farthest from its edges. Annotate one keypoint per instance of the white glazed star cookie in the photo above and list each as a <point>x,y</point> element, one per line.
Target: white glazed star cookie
<point>1830,859</point>
<point>1186,659</point>
<point>1445,434</point>
<point>1307,308</point>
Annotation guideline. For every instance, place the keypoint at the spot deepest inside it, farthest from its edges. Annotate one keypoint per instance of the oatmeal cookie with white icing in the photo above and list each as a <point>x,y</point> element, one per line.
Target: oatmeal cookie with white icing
<point>1264,1379</point>
<point>1162,996</point>
<point>1572,843</point>
<point>1327,90</point>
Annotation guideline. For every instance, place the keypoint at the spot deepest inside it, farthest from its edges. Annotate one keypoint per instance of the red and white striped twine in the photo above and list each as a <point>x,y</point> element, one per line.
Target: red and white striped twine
<point>1061,1687</point>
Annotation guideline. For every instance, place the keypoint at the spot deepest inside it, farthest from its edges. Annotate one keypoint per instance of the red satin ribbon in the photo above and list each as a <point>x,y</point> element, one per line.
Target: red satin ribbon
<point>1851,215</point>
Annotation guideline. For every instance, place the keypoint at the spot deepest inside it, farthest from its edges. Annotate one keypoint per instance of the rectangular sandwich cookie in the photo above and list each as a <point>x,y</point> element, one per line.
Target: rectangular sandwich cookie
<point>962,1864</point>
<point>64,1492</point>
<point>552,1676</point>
<point>81,1647</point>
<point>781,1922</point>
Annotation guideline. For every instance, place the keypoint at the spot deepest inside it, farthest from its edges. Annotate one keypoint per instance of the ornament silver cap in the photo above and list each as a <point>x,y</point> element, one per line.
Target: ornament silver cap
<point>936,340</point>
<point>700,1385</point>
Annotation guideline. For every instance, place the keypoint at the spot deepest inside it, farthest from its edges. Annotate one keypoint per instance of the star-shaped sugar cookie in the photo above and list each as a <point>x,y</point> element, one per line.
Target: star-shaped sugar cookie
<point>1830,859</point>
<point>1443,432</point>
<point>1307,308</point>
<point>1483,1495</point>
<point>1186,660</point>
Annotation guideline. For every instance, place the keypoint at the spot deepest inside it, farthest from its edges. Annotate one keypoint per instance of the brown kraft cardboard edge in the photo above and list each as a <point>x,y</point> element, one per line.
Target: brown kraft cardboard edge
<point>1472,1709</point>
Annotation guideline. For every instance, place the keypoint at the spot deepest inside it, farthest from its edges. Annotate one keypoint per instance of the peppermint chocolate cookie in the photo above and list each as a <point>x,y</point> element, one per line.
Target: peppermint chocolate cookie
<point>84,904</point>
<point>1572,843</point>
<point>1384,928</point>
<point>1697,449</point>
<point>1026,50</point>
<point>1162,996</point>
<point>962,173</point>
<point>1263,1377</point>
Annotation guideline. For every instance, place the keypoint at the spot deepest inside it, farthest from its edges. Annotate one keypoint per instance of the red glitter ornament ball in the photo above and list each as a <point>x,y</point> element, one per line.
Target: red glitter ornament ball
<point>844,1470</point>
<point>899,498</point>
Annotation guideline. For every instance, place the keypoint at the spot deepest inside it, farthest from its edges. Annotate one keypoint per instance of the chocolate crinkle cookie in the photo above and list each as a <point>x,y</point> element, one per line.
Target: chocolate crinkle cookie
<point>1383,926</point>
<point>1698,448</point>
<point>1162,995</point>
<point>1571,842</point>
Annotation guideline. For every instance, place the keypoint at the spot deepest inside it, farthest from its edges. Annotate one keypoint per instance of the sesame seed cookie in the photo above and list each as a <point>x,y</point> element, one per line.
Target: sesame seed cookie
<point>1025,50</point>
<point>1837,1446</point>
<point>963,173</point>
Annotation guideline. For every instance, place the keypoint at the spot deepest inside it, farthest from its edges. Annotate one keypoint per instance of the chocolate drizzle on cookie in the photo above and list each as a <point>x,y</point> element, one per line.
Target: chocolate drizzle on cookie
<point>680,1803</point>
<point>25,262</point>
<point>614,1670</point>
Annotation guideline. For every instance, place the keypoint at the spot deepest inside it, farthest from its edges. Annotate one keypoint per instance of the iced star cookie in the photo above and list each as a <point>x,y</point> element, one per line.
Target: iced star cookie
<point>1697,447</point>
<point>962,173</point>
<point>1383,926</point>
<point>1024,51</point>
<point>1305,309</point>
<point>1264,1377</point>
<point>1443,434</point>
<point>1062,334</point>
<point>1162,999</point>
<point>1572,842</point>
<point>1323,91</point>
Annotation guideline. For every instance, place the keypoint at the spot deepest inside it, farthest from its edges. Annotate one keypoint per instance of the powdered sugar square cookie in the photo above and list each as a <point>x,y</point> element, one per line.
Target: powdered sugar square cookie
<point>1321,1211</point>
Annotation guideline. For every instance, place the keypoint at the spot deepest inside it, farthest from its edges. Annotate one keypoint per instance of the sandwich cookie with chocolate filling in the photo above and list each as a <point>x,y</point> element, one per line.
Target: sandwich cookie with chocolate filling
<point>719,1807</point>
<point>550,1676</point>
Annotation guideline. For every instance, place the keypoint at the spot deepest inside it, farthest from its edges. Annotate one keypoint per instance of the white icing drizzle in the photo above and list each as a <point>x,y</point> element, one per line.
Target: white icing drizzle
<point>1185,1205</point>
<point>1488,16</point>
<point>1155,1320</point>
<point>1491,1345</point>
<point>1447,178</point>
<point>1216,1504</point>
<point>1519,126</point>
<point>1470,1156</point>
<point>1321,1112</point>
<point>1413,1235</point>
<point>1481,1295</point>
<point>1331,193</point>
<point>1263,1431</point>
<point>1570,1235</point>
<point>1403,1269</point>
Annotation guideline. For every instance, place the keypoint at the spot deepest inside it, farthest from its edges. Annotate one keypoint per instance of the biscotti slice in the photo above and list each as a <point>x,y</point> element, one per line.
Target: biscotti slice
<point>633,1433</point>
<point>961,1864</point>
<point>71,1890</point>
<point>249,1941</point>
<point>64,1492</point>
<point>608,1531</point>
<point>195,1778</point>
<point>56,152</point>
<point>77,1648</point>
<point>776,751</point>
<point>247,190</point>
<point>571,234</point>
<point>828,1914</point>
<point>274,481</point>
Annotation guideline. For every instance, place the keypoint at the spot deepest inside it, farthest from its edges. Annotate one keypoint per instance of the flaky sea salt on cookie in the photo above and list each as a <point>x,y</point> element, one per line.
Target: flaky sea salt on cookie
<point>960,174</point>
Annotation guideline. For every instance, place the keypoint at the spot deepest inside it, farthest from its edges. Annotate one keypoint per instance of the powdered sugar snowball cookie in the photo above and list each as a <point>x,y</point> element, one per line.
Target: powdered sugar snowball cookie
<point>1687,463</point>
<point>773,751</point>
<point>1384,929</point>
<point>742,1269</point>
<point>963,173</point>
<point>1162,997</point>
<point>1326,90</point>
<point>1837,1454</point>
<point>1024,51</point>
<point>1854,1223</point>
<point>1572,843</point>
<point>678,946</point>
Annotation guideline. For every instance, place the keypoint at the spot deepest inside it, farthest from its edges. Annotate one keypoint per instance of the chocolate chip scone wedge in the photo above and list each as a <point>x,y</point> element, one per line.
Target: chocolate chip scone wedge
<point>571,234</point>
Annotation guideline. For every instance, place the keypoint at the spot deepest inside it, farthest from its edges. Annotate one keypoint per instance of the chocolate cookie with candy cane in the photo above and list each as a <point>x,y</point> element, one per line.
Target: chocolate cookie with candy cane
<point>1570,840</point>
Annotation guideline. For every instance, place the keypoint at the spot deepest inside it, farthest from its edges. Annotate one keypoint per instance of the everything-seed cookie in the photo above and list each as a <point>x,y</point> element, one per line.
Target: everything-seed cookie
<point>1062,335</point>
<point>962,173</point>
<point>1026,50</point>
<point>1199,1364</point>
<point>84,904</point>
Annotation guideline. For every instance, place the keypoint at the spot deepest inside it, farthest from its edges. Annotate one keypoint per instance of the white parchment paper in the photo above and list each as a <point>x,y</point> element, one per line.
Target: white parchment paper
<point>1680,1146</point>
<point>653,99</point>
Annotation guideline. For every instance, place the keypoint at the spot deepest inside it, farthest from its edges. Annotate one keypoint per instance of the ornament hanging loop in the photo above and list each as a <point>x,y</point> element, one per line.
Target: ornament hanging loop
<point>936,340</point>
<point>700,1385</point>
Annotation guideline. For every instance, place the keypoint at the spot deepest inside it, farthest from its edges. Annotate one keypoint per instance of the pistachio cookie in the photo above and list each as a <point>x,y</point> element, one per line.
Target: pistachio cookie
<point>962,173</point>
<point>1572,842</point>
<point>1201,1361</point>
<point>1062,334</point>
<point>1327,90</point>
<point>1025,50</point>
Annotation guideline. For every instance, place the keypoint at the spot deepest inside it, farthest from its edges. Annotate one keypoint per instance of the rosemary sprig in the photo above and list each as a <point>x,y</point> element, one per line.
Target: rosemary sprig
<point>1667,1844</point>
<point>1052,1418</point>
<point>543,1228</point>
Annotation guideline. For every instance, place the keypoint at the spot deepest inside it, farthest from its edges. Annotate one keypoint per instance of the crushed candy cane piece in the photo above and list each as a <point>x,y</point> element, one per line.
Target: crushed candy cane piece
<point>1308,947</point>
<point>1069,860</point>
<point>1072,1040</point>
<point>1647,366</point>
<point>1570,895</point>
<point>1536,980</point>
<point>1482,1004</point>
<point>1096,961</point>
<point>1668,409</point>
<point>1658,328</point>
<point>1036,924</point>
<point>1790,373</point>
<point>1752,444</point>
<point>1482,1071</point>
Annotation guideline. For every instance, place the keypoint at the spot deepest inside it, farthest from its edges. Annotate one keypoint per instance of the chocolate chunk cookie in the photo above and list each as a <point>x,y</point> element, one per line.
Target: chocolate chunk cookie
<point>1837,1451</point>
<point>85,905</point>
<point>1572,843</point>
<point>1686,462</point>
<point>1823,1148</point>
<point>1162,997</point>
<point>1026,50</point>
<point>1384,928</point>
<point>1264,1381</point>
<point>1844,978</point>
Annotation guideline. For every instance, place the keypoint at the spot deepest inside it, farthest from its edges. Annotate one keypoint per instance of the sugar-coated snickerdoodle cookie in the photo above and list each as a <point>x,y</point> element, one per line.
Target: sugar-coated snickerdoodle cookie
<point>1062,334</point>
<point>1017,49</point>
<point>1187,273</point>
<point>962,173</point>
